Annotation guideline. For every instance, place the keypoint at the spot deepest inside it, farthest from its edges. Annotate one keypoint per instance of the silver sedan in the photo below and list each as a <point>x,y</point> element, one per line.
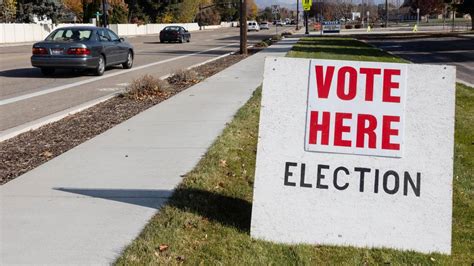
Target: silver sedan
<point>89,48</point>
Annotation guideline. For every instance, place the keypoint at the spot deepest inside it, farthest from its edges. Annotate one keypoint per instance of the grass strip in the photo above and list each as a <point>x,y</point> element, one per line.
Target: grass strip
<point>207,219</point>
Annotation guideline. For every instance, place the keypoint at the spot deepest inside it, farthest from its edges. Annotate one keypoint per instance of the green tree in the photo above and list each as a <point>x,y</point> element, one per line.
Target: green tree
<point>228,9</point>
<point>27,10</point>
<point>118,12</point>
<point>75,7</point>
<point>266,14</point>
<point>90,8</point>
<point>187,11</point>
<point>252,10</point>
<point>427,7</point>
<point>467,7</point>
<point>8,12</point>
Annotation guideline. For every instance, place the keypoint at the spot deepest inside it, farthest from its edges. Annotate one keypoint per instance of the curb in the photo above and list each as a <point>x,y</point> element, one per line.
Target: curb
<point>15,131</point>
<point>465,83</point>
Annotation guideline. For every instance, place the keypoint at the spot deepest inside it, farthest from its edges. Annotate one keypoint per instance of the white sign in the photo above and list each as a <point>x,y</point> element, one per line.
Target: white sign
<point>364,193</point>
<point>331,27</point>
<point>356,108</point>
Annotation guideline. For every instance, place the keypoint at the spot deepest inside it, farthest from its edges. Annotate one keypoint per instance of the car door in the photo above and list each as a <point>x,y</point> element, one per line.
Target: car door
<point>122,48</point>
<point>108,47</point>
<point>186,34</point>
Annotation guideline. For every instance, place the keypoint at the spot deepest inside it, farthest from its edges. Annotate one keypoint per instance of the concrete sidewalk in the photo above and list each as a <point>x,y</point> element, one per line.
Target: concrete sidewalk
<point>86,205</point>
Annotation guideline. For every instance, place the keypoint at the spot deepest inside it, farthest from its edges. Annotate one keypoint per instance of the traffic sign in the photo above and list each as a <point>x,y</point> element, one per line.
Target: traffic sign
<point>307,5</point>
<point>275,9</point>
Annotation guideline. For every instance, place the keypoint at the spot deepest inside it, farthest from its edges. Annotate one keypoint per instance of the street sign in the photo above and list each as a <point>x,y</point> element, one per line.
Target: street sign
<point>331,26</point>
<point>275,9</point>
<point>355,154</point>
<point>307,5</point>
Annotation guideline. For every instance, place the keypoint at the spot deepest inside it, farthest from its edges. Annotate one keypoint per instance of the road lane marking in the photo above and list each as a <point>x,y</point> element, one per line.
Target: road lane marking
<point>82,82</point>
<point>109,89</point>
<point>199,64</point>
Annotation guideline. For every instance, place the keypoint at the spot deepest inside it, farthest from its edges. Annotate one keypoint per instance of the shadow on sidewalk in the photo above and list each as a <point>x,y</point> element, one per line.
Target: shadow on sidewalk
<point>225,210</point>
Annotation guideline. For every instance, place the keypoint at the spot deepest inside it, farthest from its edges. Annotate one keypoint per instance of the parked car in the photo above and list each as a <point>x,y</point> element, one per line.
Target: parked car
<point>264,25</point>
<point>81,48</point>
<point>175,34</point>
<point>252,26</point>
<point>279,23</point>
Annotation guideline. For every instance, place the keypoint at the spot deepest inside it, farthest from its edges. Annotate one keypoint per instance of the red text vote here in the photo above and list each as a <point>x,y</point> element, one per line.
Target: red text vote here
<point>356,108</point>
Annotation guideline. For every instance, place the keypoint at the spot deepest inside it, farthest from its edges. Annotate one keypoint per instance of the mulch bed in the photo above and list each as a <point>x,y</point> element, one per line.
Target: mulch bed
<point>26,151</point>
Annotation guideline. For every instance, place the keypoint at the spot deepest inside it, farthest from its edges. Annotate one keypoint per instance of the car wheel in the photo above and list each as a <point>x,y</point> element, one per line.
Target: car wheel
<point>129,63</point>
<point>189,39</point>
<point>47,71</point>
<point>100,69</point>
<point>180,39</point>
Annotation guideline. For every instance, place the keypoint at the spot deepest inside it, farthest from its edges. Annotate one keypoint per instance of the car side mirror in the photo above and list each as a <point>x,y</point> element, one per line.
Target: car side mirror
<point>122,40</point>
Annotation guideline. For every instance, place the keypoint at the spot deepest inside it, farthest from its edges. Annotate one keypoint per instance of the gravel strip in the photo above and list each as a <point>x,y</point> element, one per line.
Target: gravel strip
<point>26,151</point>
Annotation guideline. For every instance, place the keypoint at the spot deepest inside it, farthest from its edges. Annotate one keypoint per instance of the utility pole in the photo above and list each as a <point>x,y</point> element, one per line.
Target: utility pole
<point>454,16</point>
<point>104,13</point>
<point>386,13</point>
<point>417,17</point>
<point>297,14</point>
<point>306,22</point>
<point>243,27</point>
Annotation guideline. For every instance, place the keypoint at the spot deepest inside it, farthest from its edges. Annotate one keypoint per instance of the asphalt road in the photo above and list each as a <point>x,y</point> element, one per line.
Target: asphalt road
<point>26,95</point>
<point>449,50</point>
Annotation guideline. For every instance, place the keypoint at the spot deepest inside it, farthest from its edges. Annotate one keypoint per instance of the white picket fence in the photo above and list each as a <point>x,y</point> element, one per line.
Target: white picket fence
<point>20,32</point>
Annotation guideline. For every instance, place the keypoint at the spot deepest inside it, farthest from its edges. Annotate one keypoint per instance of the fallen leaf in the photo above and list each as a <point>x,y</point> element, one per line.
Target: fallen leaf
<point>223,163</point>
<point>47,154</point>
<point>432,259</point>
<point>163,247</point>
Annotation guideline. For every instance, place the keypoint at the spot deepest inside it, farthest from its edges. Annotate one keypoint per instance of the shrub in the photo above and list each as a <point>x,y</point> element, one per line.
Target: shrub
<point>358,26</point>
<point>276,38</point>
<point>262,44</point>
<point>348,26</point>
<point>146,87</point>
<point>184,76</point>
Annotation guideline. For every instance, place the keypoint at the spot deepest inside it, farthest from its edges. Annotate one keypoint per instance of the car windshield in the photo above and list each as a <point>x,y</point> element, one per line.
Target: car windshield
<point>70,35</point>
<point>171,29</point>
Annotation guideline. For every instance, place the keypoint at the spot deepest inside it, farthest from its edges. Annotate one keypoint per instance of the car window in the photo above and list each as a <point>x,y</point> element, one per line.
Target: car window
<point>172,28</point>
<point>113,36</point>
<point>70,35</point>
<point>103,35</point>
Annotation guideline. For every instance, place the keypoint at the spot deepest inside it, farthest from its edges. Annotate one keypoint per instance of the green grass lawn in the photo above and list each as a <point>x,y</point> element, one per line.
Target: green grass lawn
<point>207,220</point>
<point>340,49</point>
